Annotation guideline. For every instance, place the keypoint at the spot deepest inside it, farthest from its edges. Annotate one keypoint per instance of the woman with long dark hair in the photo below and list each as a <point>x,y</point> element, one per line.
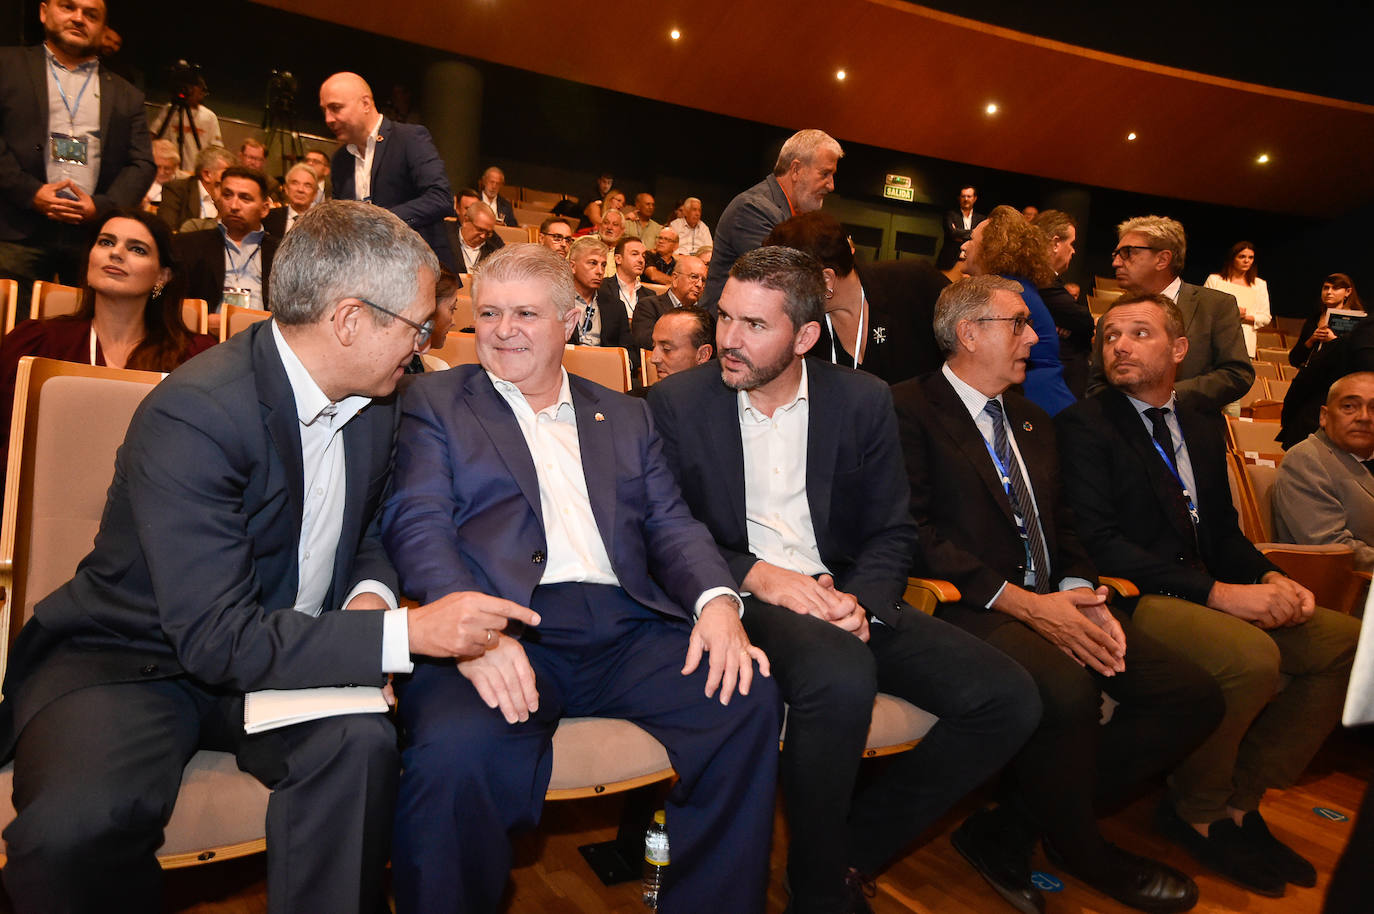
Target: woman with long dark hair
<point>1240,278</point>
<point>1337,292</point>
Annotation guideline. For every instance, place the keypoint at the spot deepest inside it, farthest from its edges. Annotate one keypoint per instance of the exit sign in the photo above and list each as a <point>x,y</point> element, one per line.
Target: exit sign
<point>898,180</point>
<point>894,192</point>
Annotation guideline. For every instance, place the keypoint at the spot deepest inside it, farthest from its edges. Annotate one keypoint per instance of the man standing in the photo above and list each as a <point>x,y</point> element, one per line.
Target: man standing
<point>682,339</point>
<point>1216,370</point>
<point>73,142</point>
<point>392,165</point>
<point>985,494</point>
<point>241,520</point>
<point>959,225</point>
<point>801,179</point>
<point>493,179</point>
<point>302,187</point>
<point>795,467</point>
<point>520,481</point>
<point>639,222</point>
<point>689,278</point>
<point>1153,505</point>
<point>235,256</point>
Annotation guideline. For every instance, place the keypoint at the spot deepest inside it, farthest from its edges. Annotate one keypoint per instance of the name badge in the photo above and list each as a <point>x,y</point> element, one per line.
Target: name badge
<point>237,297</point>
<point>71,150</point>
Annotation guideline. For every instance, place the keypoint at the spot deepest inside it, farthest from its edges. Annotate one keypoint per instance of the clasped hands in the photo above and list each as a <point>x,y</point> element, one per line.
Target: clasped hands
<point>1277,601</point>
<point>61,208</point>
<point>1076,621</point>
<point>807,596</point>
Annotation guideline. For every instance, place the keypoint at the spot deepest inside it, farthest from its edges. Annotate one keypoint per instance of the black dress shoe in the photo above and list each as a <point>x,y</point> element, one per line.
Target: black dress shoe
<point>859,889</point>
<point>1282,859</point>
<point>1225,851</point>
<point>1139,882</point>
<point>1001,857</point>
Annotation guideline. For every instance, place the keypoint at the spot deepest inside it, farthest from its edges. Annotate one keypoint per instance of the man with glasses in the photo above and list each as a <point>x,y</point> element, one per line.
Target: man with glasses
<point>1148,260</point>
<point>241,522</point>
<point>985,495</point>
<point>556,235</point>
<point>688,281</point>
<point>659,261</point>
<point>477,238</point>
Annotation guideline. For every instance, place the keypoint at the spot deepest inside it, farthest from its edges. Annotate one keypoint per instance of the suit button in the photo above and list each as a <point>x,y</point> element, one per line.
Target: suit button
<point>538,557</point>
<point>149,670</point>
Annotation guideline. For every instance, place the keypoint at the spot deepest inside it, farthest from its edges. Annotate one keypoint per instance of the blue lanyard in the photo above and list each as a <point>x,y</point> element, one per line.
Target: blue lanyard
<point>241,269</point>
<point>1173,471</point>
<point>71,109</point>
<point>1006,485</point>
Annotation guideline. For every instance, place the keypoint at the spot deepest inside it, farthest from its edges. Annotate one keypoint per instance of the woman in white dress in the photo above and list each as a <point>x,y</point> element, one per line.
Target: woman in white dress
<point>1252,295</point>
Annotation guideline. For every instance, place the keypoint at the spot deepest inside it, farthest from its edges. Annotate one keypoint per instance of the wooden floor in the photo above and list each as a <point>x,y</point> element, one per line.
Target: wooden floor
<point>551,878</point>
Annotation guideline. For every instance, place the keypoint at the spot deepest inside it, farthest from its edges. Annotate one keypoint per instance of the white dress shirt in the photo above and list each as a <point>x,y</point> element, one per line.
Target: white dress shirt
<point>243,265</point>
<point>471,255</point>
<point>326,488</point>
<point>208,210</point>
<point>689,239</point>
<point>629,295</point>
<point>74,110</point>
<point>362,163</point>
<point>491,201</point>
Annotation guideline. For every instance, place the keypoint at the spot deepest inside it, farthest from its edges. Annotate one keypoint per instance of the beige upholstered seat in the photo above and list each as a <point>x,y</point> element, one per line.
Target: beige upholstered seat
<point>195,314</point>
<point>49,299</point>
<point>458,349</point>
<point>606,365</point>
<point>233,319</point>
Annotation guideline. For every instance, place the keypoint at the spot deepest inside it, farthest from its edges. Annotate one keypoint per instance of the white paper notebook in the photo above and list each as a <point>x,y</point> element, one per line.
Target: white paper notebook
<point>272,708</point>
<point>1359,697</point>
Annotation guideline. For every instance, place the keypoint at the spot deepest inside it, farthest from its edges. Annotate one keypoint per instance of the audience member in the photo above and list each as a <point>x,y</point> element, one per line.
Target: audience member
<point>877,316</point>
<point>1324,357</point>
<point>1030,212</point>
<point>195,196</point>
<point>66,154</point>
<point>815,529</point>
<point>556,234</point>
<point>192,135</point>
<point>985,494</point>
<point>639,221</point>
<point>692,233</point>
<point>1152,504</point>
<point>475,239</point>
<point>1073,322</point>
<point>234,257</point>
<point>1148,260</point>
<point>802,177</point>
<point>211,578</point>
<point>320,162</point>
<point>958,227</point>
<point>611,228</point>
<point>682,339</point>
<point>392,165</point>
<point>689,278</point>
<point>1008,246</point>
<point>1338,291</point>
<point>1240,279</point>
<point>490,184</point>
<point>253,154</point>
<point>704,254</point>
<point>592,204</point>
<point>623,288</point>
<point>596,325</point>
<point>612,201</point>
<point>465,197</point>
<point>1324,492</point>
<point>660,261</point>
<point>302,187</point>
<point>619,606</point>
<point>168,160</point>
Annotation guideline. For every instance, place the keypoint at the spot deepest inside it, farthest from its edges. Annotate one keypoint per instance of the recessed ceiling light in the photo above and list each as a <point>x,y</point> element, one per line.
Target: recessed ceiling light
<point>1263,158</point>
<point>840,74</point>
<point>991,108</point>
<point>1131,135</point>
<point>675,34</point>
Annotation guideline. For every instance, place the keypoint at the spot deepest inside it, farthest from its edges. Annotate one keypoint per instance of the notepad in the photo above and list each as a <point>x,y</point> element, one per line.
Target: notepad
<point>1359,696</point>
<point>273,708</point>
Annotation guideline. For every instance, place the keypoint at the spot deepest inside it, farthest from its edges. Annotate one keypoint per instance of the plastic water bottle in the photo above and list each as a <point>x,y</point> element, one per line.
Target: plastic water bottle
<point>655,860</point>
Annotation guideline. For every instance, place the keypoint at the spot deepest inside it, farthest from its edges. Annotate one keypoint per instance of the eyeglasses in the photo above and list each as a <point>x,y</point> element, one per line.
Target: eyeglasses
<point>557,238</point>
<point>1018,323</point>
<point>422,331</point>
<point>1126,251</point>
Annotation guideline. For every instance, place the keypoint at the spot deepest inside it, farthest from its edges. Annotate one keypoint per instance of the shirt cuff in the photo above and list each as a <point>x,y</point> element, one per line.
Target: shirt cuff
<point>1073,583</point>
<point>396,642</point>
<point>989,603</point>
<point>371,586</point>
<point>711,594</point>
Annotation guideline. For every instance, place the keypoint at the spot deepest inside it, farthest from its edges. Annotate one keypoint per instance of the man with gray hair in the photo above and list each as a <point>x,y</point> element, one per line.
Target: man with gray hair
<point>194,196</point>
<point>692,233</point>
<point>489,185</point>
<point>302,187</point>
<point>1148,260</point>
<point>801,179</point>
<point>516,479</point>
<point>475,239</point>
<point>242,521</point>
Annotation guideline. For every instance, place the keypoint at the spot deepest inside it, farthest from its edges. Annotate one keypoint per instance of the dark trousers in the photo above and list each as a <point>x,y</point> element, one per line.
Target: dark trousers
<point>987,706</point>
<point>54,250</point>
<point>470,779</point>
<point>1073,763</point>
<point>1352,883</point>
<point>96,775</point>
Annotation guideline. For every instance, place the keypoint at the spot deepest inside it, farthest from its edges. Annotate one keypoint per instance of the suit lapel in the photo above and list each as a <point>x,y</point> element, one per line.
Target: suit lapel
<point>107,99</point>
<point>1132,429</point>
<point>39,78</point>
<point>358,463</point>
<point>596,440</point>
<point>822,444</point>
<point>278,405</point>
<point>497,420</point>
<point>379,152</point>
<point>720,425</point>
<point>953,418</point>
<point>1030,441</point>
<point>1187,305</point>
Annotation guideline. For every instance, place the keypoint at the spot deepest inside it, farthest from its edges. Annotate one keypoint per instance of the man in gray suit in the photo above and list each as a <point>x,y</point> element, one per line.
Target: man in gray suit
<point>801,179</point>
<point>1324,493</point>
<point>1148,260</point>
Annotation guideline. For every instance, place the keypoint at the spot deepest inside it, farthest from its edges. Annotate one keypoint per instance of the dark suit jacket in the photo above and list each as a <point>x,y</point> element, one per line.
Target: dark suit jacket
<point>647,313</point>
<point>967,532</point>
<point>505,211</point>
<point>194,570</point>
<point>275,222</point>
<point>615,323</point>
<point>747,220</point>
<point>901,310</point>
<point>1217,370</point>
<point>408,178</point>
<point>855,484</point>
<point>126,155</point>
<point>1122,497</point>
<point>466,514</point>
<point>202,258</point>
<point>180,201</point>
<point>956,235</point>
<point>455,242</point>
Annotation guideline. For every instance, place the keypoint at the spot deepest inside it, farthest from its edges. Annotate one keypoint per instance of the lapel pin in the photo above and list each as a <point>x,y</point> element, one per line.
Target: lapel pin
<point>1026,427</point>
<point>599,418</point>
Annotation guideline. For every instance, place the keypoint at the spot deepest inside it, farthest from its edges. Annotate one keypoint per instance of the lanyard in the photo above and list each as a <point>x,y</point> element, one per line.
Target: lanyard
<point>92,344</point>
<point>1011,498</point>
<point>239,270</point>
<point>858,337</point>
<point>1173,471</point>
<point>71,109</point>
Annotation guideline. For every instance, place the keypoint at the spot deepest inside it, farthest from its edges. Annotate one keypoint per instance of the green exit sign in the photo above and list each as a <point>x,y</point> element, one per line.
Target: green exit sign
<point>893,192</point>
<point>898,180</point>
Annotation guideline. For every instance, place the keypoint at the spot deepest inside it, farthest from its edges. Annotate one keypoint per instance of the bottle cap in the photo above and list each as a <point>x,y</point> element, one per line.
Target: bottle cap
<point>659,818</point>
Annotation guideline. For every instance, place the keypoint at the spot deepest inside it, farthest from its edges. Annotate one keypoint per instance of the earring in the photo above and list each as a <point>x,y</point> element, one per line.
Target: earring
<point>157,288</point>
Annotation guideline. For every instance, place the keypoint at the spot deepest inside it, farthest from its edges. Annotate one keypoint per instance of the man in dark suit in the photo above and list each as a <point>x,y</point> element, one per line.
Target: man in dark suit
<point>1148,260</point>
<point>490,184</point>
<point>61,166</point>
<point>236,254</point>
<point>985,493</point>
<point>1153,504</point>
<point>218,571</point>
<point>392,165</point>
<point>194,196</point>
<point>689,278</point>
<point>517,480</point>
<point>801,179</point>
<point>301,187</point>
<point>622,289</point>
<point>473,236</point>
<point>795,467</point>
<point>958,225</point>
<point>597,325</point>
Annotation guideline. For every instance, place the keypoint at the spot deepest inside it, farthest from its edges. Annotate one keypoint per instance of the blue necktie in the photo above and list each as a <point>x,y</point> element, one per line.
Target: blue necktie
<point>1022,504</point>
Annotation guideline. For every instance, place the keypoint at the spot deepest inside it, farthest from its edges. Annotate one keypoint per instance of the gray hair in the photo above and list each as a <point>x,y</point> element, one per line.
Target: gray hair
<point>1164,233</point>
<point>212,157</point>
<point>963,301</point>
<point>802,146</point>
<point>479,207</point>
<point>166,149</point>
<point>796,274</point>
<point>301,166</point>
<point>529,263</point>
<point>347,249</point>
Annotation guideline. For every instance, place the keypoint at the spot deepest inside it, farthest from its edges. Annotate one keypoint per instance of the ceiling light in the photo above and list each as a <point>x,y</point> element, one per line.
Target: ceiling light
<point>840,74</point>
<point>675,34</point>
<point>991,108</point>
<point>1263,158</point>
<point>1131,135</point>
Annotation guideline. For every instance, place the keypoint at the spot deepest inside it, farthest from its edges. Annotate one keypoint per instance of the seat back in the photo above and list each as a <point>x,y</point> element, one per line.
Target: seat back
<point>9,304</point>
<point>648,374</point>
<point>1270,337</point>
<point>1276,355</point>
<point>513,234</point>
<point>1266,370</point>
<point>1260,478</point>
<point>606,365</point>
<point>234,319</point>
<point>1255,438</point>
<point>51,299</point>
<point>458,348</point>
<point>69,420</point>
<point>1277,389</point>
<point>195,314</point>
<point>1242,499</point>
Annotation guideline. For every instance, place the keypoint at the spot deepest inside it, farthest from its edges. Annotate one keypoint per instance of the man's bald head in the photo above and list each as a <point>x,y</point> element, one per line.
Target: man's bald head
<point>349,111</point>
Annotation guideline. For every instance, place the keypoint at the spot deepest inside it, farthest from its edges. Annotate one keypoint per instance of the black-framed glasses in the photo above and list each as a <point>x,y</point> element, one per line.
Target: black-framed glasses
<point>1127,251</point>
<point>557,238</point>
<point>422,331</point>
<point>1018,323</point>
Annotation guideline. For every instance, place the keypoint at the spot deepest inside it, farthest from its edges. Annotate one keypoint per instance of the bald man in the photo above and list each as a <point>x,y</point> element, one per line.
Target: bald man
<point>392,165</point>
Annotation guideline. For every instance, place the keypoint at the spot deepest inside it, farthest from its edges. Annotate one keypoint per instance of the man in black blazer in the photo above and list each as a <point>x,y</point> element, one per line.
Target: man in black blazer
<point>958,225</point>
<point>985,493</point>
<point>238,252</point>
<point>402,170</point>
<point>217,572</point>
<point>490,184</point>
<point>473,236</point>
<point>1153,504</point>
<point>600,324</point>
<point>795,467</point>
<point>689,278</point>
<point>50,189</point>
<point>623,270</point>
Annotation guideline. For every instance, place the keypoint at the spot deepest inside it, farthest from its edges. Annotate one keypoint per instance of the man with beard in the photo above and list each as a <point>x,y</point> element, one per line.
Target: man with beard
<point>236,255</point>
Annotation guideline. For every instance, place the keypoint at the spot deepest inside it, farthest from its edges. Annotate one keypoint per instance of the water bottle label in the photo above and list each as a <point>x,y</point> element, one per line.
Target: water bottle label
<point>656,851</point>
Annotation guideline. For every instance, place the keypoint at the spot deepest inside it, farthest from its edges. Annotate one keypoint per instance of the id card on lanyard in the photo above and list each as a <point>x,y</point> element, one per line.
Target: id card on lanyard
<point>68,148</point>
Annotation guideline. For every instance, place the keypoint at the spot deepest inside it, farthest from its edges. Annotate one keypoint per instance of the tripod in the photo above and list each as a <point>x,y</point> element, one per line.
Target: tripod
<point>180,109</point>
<point>279,120</point>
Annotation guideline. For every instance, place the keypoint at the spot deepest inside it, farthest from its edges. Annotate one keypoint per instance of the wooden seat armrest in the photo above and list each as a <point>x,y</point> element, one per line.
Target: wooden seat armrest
<point>1120,586</point>
<point>944,591</point>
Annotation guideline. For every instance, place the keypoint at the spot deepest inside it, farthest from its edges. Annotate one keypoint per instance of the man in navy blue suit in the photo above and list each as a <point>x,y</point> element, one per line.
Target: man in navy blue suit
<point>392,165</point>
<point>515,479</point>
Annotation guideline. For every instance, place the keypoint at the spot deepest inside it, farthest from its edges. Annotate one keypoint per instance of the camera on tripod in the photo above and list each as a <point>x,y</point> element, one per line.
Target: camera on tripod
<point>281,92</point>
<point>182,77</point>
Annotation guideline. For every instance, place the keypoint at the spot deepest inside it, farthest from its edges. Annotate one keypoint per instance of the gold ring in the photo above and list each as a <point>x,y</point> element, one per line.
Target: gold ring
<point>489,636</point>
